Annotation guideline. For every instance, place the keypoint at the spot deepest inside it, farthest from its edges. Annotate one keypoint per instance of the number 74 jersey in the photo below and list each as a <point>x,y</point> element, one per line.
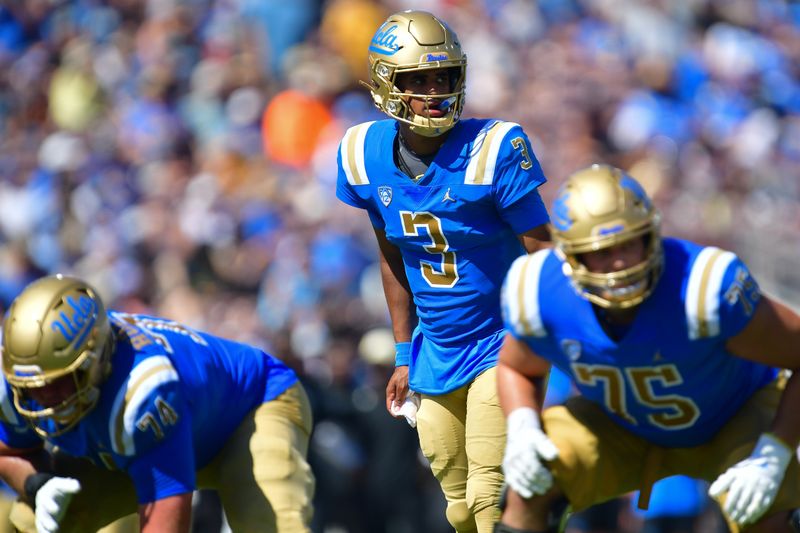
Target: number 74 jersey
<point>457,225</point>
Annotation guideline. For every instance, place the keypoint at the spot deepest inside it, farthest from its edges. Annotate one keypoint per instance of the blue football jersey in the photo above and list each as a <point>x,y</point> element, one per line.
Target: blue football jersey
<point>173,398</point>
<point>456,228</point>
<point>670,378</point>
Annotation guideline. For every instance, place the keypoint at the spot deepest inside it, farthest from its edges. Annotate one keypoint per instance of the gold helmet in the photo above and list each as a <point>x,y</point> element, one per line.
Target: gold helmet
<point>56,328</point>
<point>411,41</point>
<point>599,207</point>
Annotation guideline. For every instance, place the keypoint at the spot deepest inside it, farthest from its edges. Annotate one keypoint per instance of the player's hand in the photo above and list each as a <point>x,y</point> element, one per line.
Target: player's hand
<point>397,390</point>
<point>753,483</point>
<point>52,500</point>
<point>408,409</point>
<point>526,449</point>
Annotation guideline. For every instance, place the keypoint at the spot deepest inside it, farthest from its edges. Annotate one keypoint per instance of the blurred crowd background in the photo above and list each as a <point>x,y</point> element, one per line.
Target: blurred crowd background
<point>181,155</point>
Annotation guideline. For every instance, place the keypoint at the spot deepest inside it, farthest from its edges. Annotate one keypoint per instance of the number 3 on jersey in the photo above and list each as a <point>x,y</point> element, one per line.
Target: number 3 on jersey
<point>445,274</point>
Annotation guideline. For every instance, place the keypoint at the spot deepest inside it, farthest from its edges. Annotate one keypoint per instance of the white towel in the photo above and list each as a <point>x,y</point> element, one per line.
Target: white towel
<point>408,409</point>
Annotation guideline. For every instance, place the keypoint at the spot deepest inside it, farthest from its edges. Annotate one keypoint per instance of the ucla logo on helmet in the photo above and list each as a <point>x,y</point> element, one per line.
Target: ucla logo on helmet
<point>76,326</point>
<point>635,187</point>
<point>385,194</point>
<point>561,219</point>
<point>385,41</point>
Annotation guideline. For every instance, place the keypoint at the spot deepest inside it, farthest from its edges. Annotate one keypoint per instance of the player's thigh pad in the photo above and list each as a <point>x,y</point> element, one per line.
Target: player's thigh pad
<point>441,422</point>
<point>598,459</point>
<point>263,478</point>
<point>485,443</point>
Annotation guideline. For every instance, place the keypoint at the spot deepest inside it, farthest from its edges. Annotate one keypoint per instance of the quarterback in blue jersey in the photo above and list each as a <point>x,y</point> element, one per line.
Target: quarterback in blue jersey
<point>453,203</point>
<point>159,409</point>
<point>676,354</point>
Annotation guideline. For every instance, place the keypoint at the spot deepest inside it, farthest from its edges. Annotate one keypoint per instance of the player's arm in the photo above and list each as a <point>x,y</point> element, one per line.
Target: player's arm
<point>517,179</point>
<point>158,449</point>
<point>401,311</point>
<point>396,288</point>
<point>168,515</point>
<point>536,238</point>
<point>520,376</point>
<point>520,385</point>
<point>772,337</point>
<point>17,465</point>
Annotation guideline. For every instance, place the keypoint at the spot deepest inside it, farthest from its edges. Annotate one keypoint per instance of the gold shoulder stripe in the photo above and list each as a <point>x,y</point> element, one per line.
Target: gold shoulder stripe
<point>352,151</point>
<point>702,325</point>
<point>527,330</point>
<point>481,168</point>
<point>703,291</point>
<point>119,422</point>
<point>521,295</point>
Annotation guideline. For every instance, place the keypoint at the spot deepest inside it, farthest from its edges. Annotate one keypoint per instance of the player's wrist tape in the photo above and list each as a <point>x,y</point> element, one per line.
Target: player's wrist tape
<point>33,483</point>
<point>522,418</point>
<point>771,445</point>
<point>402,353</point>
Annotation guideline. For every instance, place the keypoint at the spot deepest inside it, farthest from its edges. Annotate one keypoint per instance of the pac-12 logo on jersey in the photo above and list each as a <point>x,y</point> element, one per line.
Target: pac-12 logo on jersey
<point>385,194</point>
<point>571,348</point>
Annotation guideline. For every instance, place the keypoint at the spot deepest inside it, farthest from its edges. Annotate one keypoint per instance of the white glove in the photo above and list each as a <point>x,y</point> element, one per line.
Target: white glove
<point>526,447</point>
<point>408,409</point>
<point>52,500</point>
<point>753,483</point>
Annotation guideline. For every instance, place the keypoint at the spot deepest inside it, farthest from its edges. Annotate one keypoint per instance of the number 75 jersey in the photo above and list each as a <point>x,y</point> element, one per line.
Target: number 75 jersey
<point>670,379</point>
<point>457,225</point>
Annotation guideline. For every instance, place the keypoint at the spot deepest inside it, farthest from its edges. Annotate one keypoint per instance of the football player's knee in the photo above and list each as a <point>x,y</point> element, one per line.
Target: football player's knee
<point>22,517</point>
<point>460,516</point>
<point>484,492</point>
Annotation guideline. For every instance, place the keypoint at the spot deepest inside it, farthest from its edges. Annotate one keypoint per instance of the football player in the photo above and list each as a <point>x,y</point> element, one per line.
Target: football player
<point>166,409</point>
<point>676,353</point>
<point>452,202</point>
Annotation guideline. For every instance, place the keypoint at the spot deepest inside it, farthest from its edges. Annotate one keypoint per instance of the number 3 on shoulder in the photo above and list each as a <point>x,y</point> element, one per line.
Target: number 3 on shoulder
<point>519,144</point>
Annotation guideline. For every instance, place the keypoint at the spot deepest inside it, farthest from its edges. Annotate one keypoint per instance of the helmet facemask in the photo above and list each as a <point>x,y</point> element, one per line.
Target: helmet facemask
<point>416,41</point>
<point>84,375</point>
<point>622,289</point>
<point>397,103</point>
